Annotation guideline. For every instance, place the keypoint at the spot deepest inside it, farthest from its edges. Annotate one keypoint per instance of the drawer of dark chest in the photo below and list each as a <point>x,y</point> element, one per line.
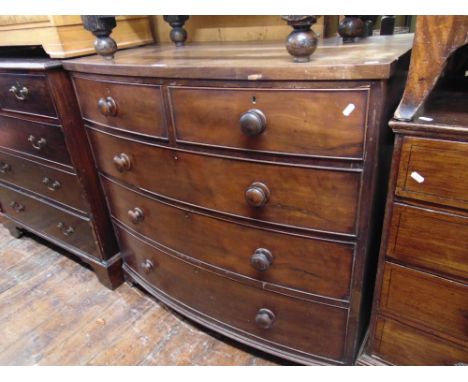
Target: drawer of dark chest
<point>26,93</point>
<point>70,229</point>
<point>59,185</point>
<point>307,327</point>
<point>306,264</point>
<point>37,139</point>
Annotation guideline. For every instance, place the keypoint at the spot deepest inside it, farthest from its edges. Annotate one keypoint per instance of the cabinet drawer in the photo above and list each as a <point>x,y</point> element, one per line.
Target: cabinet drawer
<point>306,264</point>
<point>295,196</point>
<point>38,139</point>
<point>310,122</point>
<point>134,107</point>
<point>403,345</point>
<point>434,171</point>
<point>67,228</point>
<point>308,327</point>
<point>430,301</point>
<point>429,239</point>
<point>52,183</point>
<point>26,93</point>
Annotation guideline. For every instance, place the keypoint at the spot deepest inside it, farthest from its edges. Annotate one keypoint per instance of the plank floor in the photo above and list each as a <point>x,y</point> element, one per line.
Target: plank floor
<point>53,311</point>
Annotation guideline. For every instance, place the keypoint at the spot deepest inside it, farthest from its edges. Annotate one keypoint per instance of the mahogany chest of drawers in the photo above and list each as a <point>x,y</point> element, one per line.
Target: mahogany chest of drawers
<point>48,182</point>
<point>245,189</point>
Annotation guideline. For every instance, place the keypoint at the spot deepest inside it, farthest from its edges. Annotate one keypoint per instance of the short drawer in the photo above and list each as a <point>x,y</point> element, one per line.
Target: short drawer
<point>426,300</point>
<point>308,122</point>
<point>429,239</point>
<point>283,194</point>
<point>38,139</point>
<point>306,264</point>
<point>308,327</point>
<point>134,107</point>
<point>69,229</point>
<point>434,171</point>
<point>50,182</point>
<point>26,93</point>
<point>404,345</point>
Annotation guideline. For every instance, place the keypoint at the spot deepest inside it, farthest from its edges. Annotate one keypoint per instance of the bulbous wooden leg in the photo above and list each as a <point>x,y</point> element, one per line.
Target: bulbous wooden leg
<point>302,41</point>
<point>101,27</point>
<point>178,33</point>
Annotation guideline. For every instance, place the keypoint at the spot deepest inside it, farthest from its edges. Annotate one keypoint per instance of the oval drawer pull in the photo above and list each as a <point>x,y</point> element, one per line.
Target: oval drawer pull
<point>67,231</point>
<point>122,162</point>
<point>107,106</point>
<point>52,185</point>
<point>262,259</point>
<point>18,207</point>
<point>20,92</point>
<point>136,215</point>
<point>4,168</point>
<point>265,318</point>
<point>257,194</point>
<point>253,122</point>
<point>37,144</point>
<point>147,266</point>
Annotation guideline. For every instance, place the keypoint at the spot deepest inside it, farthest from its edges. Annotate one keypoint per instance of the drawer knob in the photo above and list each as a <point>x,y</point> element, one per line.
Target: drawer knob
<point>136,215</point>
<point>265,318</point>
<point>37,144</point>
<point>18,207</point>
<point>253,122</point>
<point>122,162</point>
<point>20,92</point>
<point>147,266</point>
<point>257,194</point>
<point>262,259</point>
<point>107,106</point>
<point>67,231</point>
<point>52,185</point>
<point>4,168</point>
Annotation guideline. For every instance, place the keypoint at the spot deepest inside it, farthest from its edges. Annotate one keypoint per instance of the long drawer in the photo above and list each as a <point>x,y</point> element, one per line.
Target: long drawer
<point>429,239</point>
<point>309,122</point>
<point>50,182</point>
<point>404,345</point>
<point>312,198</point>
<point>293,324</point>
<point>26,93</point>
<point>306,264</point>
<point>38,139</point>
<point>429,301</point>
<point>65,227</point>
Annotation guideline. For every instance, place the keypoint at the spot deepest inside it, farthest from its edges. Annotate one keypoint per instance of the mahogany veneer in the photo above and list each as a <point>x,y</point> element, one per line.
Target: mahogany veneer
<point>246,189</point>
<point>48,182</point>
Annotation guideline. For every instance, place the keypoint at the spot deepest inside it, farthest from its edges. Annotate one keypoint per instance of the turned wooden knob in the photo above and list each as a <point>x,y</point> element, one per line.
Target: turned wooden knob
<point>265,318</point>
<point>107,106</point>
<point>253,122</point>
<point>262,259</point>
<point>257,194</point>
<point>147,266</point>
<point>122,162</point>
<point>136,215</point>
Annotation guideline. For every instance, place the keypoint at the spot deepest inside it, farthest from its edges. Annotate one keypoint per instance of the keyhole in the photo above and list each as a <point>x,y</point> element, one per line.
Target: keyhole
<point>254,100</point>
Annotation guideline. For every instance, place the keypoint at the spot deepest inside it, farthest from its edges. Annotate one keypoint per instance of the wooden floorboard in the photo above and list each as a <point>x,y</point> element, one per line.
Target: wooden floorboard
<point>53,311</point>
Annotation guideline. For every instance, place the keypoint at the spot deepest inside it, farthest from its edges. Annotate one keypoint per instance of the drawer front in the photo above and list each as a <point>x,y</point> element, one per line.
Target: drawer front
<point>26,93</point>
<point>294,196</point>
<point>133,107</point>
<point>44,141</point>
<point>58,185</point>
<point>304,122</point>
<point>426,300</point>
<point>67,228</point>
<point>310,265</point>
<point>429,239</point>
<point>434,171</point>
<point>403,345</point>
<point>304,326</point>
